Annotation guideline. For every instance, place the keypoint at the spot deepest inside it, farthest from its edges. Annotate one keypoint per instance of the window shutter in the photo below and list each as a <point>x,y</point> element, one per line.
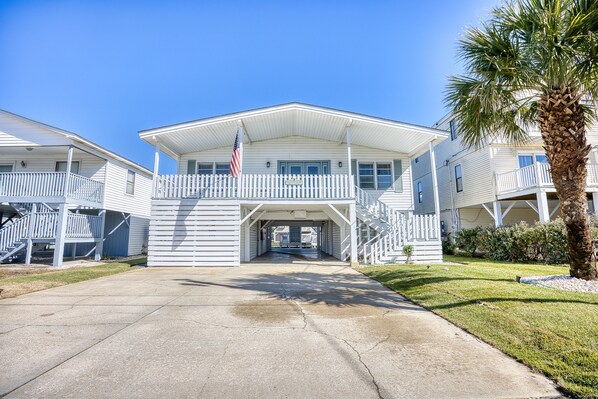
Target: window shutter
<point>398,168</point>
<point>191,167</point>
<point>354,170</point>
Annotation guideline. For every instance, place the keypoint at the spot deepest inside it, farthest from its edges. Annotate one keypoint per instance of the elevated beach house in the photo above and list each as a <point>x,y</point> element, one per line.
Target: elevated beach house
<point>346,175</point>
<point>61,191</point>
<point>493,185</point>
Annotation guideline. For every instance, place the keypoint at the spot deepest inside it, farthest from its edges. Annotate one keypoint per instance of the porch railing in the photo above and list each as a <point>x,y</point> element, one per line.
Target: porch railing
<point>50,185</point>
<point>250,186</point>
<point>535,175</point>
<point>43,225</point>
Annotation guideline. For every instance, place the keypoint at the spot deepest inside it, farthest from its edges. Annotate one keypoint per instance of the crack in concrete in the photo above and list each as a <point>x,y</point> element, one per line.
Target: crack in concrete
<point>374,382</point>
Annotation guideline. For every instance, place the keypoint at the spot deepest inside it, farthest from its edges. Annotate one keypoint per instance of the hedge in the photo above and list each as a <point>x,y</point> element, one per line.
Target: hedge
<point>543,242</point>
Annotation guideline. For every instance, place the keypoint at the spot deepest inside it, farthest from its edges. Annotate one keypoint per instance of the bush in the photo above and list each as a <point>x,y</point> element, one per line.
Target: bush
<point>448,248</point>
<point>546,242</point>
<point>468,240</point>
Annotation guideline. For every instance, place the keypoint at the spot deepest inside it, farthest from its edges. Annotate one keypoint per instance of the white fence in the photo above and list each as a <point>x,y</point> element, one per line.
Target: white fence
<point>253,186</point>
<point>50,185</point>
<point>535,175</point>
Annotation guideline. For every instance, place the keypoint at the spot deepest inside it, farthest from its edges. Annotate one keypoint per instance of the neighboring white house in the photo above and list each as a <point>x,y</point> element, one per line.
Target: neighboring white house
<point>496,184</point>
<point>346,175</point>
<point>57,188</point>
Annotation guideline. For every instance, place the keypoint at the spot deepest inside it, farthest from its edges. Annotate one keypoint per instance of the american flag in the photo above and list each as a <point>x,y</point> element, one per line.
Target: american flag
<point>235,162</point>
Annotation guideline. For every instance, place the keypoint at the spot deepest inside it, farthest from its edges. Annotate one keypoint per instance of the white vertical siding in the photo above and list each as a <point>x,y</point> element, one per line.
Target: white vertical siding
<point>138,235</point>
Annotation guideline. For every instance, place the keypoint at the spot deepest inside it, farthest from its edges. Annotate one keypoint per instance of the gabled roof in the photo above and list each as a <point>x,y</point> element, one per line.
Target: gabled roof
<point>75,138</point>
<point>292,119</point>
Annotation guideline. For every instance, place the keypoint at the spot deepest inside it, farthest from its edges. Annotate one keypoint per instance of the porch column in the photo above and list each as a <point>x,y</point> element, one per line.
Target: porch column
<point>595,201</point>
<point>353,234</point>
<point>156,168</point>
<point>543,212</point>
<point>63,211</point>
<point>349,171</point>
<point>69,162</point>
<point>435,186</point>
<point>497,213</point>
<point>100,242</point>
<point>32,217</point>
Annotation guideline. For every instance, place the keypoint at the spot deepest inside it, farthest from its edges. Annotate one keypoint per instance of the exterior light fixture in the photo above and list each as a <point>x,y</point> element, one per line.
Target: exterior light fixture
<point>23,164</point>
<point>268,164</point>
<point>29,148</point>
<point>340,164</point>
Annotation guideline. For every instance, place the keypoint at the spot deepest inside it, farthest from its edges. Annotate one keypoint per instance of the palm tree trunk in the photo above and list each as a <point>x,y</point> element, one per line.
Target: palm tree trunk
<point>561,121</point>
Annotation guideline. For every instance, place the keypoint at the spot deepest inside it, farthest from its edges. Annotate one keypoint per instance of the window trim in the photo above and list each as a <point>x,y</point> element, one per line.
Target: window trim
<point>129,171</point>
<point>453,129</point>
<point>458,179</point>
<point>78,162</point>
<point>392,174</point>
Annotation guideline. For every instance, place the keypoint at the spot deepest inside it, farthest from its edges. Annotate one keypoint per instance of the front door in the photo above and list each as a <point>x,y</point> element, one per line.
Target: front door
<point>313,168</point>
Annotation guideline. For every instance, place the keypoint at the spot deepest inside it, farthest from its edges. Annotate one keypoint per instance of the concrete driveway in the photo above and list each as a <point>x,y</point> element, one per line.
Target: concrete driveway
<point>305,330</point>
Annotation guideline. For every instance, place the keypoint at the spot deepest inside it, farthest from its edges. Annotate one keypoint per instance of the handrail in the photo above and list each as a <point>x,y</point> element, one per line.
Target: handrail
<point>50,184</point>
<point>535,175</point>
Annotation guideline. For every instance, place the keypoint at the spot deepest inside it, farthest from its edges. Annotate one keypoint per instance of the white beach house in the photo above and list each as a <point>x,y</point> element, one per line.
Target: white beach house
<point>60,190</point>
<point>496,184</point>
<point>346,175</point>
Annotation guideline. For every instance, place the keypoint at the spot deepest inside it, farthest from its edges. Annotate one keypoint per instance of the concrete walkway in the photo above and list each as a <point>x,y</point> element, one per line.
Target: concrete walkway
<point>258,331</point>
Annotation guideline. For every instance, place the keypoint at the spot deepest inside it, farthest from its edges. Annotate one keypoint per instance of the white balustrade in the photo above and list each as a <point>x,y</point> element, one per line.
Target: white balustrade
<point>50,185</point>
<point>535,175</point>
<point>249,186</point>
<point>83,226</point>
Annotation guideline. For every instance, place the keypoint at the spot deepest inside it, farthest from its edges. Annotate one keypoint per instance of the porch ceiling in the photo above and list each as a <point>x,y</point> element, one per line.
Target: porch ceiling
<point>293,119</point>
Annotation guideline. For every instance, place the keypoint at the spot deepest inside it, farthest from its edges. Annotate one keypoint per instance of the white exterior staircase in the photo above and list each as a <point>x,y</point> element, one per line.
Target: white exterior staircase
<point>384,231</point>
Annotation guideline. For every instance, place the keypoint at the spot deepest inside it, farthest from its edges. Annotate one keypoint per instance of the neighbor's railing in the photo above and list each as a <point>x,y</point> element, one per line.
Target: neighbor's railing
<point>52,185</point>
<point>535,175</point>
<point>251,186</point>
<point>83,226</point>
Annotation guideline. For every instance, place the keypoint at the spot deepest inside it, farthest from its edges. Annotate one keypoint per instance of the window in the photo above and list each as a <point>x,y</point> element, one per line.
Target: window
<point>61,166</point>
<point>222,169</point>
<point>383,175</point>
<point>6,168</point>
<point>366,176</point>
<point>130,182</point>
<point>420,192</point>
<point>453,127</point>
<point>205,168</point>
<point>458,178</point>
<point>528,159</point>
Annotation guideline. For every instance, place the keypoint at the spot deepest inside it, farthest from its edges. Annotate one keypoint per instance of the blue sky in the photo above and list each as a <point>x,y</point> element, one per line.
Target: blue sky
<point>107,69</point>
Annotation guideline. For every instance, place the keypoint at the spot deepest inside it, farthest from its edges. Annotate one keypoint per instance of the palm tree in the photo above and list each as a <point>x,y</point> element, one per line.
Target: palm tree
<point>535,63</point>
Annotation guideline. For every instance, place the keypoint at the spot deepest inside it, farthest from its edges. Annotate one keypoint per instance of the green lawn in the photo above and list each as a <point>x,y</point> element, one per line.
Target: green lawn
<point>47,278</point>
<point>553,331</point>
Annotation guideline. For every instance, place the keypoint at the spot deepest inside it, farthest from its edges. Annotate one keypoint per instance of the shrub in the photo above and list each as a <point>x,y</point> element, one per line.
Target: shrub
<point>467,240</point>
<point>448,248</point>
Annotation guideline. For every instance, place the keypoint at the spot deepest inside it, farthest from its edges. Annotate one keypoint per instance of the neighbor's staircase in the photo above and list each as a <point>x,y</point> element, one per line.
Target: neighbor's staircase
<point>38,225</point>
<point>383,231</point>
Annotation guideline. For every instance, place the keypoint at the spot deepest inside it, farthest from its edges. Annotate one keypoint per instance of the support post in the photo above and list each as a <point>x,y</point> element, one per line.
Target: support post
<point>100,242</point>
<point>32,217</point>
<point>353,234</point>
<point>349,171</point>
<point>435,186</point>
<point>543,212</point>
<point>63,211</point>
<point>595,202</point>
<point>497,213</point>
<point>156,168</point>
<point>69,162</point>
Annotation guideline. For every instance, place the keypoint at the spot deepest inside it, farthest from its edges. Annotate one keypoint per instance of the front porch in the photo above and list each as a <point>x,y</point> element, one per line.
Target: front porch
<point>530,179</point>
